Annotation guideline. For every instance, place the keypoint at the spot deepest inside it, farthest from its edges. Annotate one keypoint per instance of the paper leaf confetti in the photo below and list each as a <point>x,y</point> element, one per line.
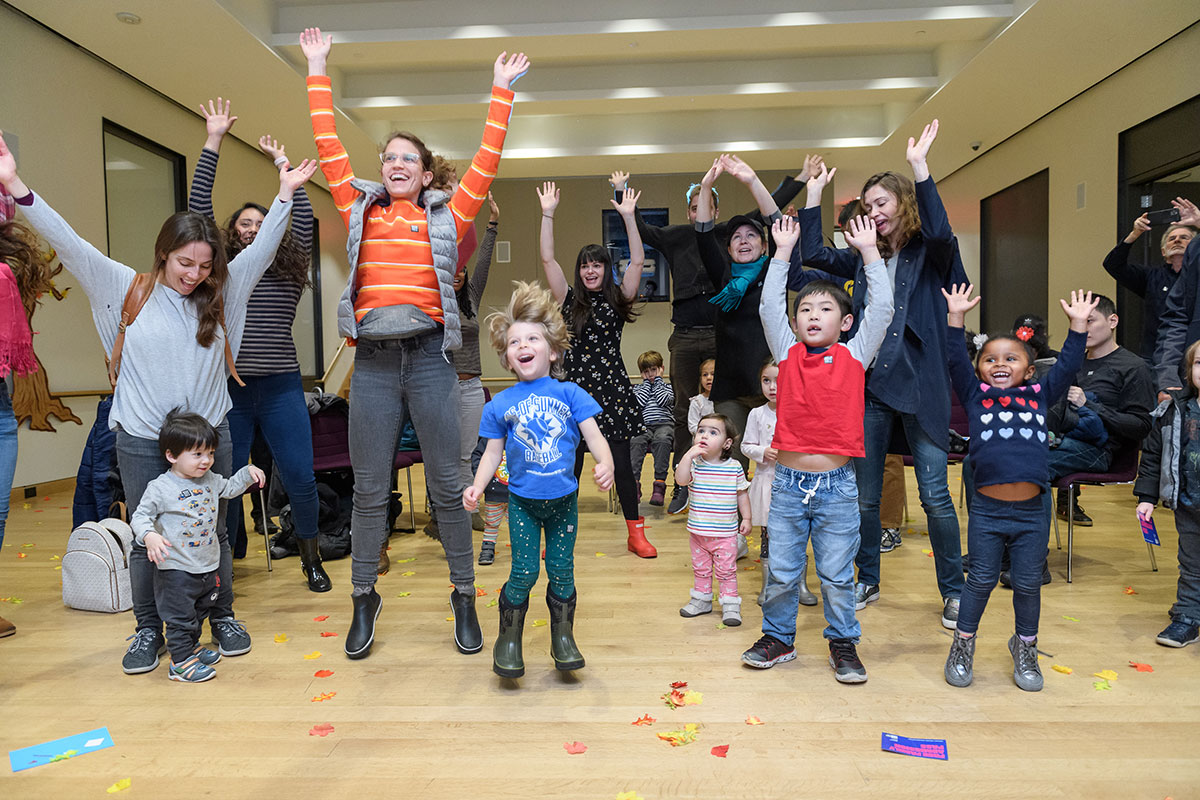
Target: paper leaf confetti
<point>927,552</point>
<point>21,555</point>
<point>321,618</point>
<point>404,560</point>
<point>1106,675</point>
<point>720,751</point>
<point>601,555</point>
<point>282,637</point>
<point>679,685</point>
<point>322,673</point>
<point>752,720</point>
<point>629,796</point>
<point>323,696</point>
<point>1070,619</point>
<point>1129,590</point>
<point>16,601</point>
<point>721,626</point>
<point>119,786</point>
<point>480,593</point>
<point>327,634</point>
<point>312,655</point>
<point>644,720</point>
<point>495,602</point>
<point>1141,667</point>
<point>321,729</point>
<point>408,574</point>
<point>575,748</point>
<point>1101,686</point>
<point>538,623</point>
<point>404,594</point>
<point>1062,669</point>
<point>64,756</point>
<point>676,698</point>
<point>28,544</point>
<point>680,738</point>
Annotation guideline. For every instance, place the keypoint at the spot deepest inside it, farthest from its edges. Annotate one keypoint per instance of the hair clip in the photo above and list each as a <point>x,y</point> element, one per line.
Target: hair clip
<point>1024,333</point>
<point>980,339</point>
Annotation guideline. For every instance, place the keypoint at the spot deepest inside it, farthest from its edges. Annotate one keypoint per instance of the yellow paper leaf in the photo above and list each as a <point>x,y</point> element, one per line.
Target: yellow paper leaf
<point>449,619</point>
<point>404,560</point>
<point>407,574</point>
<point>752,720</point>
<point>282,637</point>
<point>404,594</point>
<point>54,558</point>
<point>312,655</point>
<point>629,796</point>
<point>120,786</point>
<point>601,555</point>
<point>538,623</point>
<point>1062,669</point>
<point>323,696</point>
<point>1106,675</point>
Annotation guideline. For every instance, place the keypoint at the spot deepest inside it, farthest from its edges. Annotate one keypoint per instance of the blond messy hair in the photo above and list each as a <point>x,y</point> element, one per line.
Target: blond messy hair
<point>532,303</point>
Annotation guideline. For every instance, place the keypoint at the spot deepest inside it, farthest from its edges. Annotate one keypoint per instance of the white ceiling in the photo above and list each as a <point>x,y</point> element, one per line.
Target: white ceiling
<point>652,87</point>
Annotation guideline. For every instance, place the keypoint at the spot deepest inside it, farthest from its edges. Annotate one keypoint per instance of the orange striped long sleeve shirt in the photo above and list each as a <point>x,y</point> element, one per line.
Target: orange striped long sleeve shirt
<point>395,261</point>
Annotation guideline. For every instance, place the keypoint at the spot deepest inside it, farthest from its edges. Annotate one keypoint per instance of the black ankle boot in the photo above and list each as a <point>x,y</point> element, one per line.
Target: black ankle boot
<point>468,638</point>
<point>507,660</point>
<point>310,565</point>
<point>562,635</point>
<point>362,626</point>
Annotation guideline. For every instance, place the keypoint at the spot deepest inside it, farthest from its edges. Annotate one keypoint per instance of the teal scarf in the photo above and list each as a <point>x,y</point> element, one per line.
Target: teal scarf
<point>743,275</point>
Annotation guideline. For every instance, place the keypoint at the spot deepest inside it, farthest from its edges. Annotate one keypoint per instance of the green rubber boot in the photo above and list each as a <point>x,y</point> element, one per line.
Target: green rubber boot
<point>507,661</point>
<point>562,636</point>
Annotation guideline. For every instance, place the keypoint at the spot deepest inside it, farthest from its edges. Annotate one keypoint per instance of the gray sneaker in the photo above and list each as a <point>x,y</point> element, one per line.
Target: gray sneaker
<point>1026,672</point>
<point>743,549</point>
<point>890,540</point>
<point>863,594</point>
<point>959,664</point>
<point>950,613</point>
<point>698,603</point>
<point>145,646</point>
<point>230,636</point>
<point>679,501</point>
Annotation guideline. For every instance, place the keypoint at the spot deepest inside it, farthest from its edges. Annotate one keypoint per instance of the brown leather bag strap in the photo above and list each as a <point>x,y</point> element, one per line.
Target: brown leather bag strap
<point>135,298</point>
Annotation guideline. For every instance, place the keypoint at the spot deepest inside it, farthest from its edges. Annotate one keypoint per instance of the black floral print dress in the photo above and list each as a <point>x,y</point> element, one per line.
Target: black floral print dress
<point>594,362</point>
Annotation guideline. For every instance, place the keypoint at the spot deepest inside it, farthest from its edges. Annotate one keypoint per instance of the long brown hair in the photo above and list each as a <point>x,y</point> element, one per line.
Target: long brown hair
<point>208,298</point>
<point>909,220</point>
<point>292,262</point>
<point>19,249</point>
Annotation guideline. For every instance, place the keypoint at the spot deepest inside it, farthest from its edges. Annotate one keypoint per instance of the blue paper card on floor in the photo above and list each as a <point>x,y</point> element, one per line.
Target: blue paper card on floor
<point>59,749</point>
<point>921,748</point>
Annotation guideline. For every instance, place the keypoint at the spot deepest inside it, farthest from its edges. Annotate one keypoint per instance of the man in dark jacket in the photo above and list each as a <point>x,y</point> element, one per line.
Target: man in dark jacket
<point>1180,323</point>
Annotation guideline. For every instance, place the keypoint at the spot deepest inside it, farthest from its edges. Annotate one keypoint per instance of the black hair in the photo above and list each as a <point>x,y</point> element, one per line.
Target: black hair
<point>183,430</point>
<point>1039,337</point>
<point>292,262</point>
<point>581,311</point>
<point>1030,353</point>
<point>839,295</point>
<point>972,348</point>
<point>1104,306</point>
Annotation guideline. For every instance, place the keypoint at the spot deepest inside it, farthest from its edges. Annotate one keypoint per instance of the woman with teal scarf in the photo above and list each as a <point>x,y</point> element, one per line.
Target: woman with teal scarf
<point>737,271</point>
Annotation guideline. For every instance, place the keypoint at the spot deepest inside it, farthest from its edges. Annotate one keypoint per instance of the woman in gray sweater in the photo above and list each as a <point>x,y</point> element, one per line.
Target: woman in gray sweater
<point>174,355</point>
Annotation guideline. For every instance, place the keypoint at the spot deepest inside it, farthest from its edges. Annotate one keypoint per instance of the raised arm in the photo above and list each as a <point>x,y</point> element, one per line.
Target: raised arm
<point>935,225</point>
<point>217,122</point>
<point>302,213</point>
<point>772,305</point>
<point>548,196</point>
<point>335,161</point>
<point>742,171</point>
<point>813,252</point>
<point>637,254</point>
<point>706,239</point>
<point>962,373</point>
<point>483,257</point>
<point>880,305</point>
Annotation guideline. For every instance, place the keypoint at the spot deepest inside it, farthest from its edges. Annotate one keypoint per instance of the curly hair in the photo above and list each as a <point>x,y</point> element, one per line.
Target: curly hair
<point>535,304</point>
<point>19,249</point>
<point>444,172</point>
<point>208,298</point>
<point>908,218</point>
<point>292,261</point>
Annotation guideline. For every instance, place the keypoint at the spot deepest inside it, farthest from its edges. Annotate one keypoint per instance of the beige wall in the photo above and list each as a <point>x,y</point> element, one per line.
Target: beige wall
<point>1078,143</point>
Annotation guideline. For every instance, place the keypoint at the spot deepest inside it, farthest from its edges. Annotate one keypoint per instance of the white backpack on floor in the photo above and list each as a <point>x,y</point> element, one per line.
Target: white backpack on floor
<point>95,568</point>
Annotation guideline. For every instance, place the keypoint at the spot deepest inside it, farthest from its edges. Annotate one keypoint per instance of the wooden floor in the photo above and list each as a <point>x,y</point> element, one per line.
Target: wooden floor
<point>417,719</point>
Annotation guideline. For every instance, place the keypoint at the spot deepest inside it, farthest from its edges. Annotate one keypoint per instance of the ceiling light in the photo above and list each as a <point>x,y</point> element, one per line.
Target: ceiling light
<point>129,18</point>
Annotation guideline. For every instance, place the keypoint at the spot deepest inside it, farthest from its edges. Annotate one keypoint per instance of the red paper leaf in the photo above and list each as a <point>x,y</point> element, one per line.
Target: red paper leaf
<point>480,592</point>
<point>679,685</point>
<point>1141,667</point>
<point>327,634</point>
<point>321,729</point>
<point>644,720</point>
<point>321,618</point>
<point>720,751</point>
<point>322,673</point>
<point>1129,590</point>
<point>575,748</point>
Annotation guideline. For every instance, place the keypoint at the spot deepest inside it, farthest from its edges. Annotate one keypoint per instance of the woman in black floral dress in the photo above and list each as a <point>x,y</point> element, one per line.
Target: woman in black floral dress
<point>596,310</point>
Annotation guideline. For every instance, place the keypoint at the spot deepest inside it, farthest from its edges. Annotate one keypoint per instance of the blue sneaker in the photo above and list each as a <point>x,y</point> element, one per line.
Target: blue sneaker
<point>207,657</point>
<point>191,671</point>
<point>1179,634</point>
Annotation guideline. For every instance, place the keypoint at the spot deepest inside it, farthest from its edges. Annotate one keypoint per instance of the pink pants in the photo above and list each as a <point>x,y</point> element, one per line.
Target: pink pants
<point>715,554</point>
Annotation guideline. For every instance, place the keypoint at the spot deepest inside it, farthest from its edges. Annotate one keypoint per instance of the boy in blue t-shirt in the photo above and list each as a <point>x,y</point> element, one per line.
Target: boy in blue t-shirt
<point>537,425</point>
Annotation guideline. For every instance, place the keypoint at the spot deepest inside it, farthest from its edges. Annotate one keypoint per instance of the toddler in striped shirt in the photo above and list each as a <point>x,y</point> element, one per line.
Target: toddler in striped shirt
<point>718,497</point>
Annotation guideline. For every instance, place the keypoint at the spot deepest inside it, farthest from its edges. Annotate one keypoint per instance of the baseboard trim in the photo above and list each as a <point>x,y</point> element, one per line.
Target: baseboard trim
<point>20,494</point>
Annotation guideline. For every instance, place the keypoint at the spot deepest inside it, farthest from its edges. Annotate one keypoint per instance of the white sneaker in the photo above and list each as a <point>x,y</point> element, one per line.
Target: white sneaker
<point>699,603</point>
<point>731,611</point>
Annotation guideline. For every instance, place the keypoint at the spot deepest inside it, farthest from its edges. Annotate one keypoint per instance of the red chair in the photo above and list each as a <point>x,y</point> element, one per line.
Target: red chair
<point>1123,471</point>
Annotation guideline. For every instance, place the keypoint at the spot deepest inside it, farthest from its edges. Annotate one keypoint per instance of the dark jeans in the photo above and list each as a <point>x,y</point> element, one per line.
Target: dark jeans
<point>622,475</point>
<point>929,460</point>
<point>275,403</point>
<point>141,462</point>
<point>738,411</point>
<point>1187,597</point>
<point>689,348</point>
<point>183,600</point>
<point>1021,527</point>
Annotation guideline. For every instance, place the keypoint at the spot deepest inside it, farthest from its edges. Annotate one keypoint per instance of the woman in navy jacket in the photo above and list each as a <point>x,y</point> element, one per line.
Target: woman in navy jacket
<point>908,379</point>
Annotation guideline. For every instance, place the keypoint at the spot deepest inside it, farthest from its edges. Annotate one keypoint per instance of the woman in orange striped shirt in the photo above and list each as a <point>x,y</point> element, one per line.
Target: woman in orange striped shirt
<point>399,308</point>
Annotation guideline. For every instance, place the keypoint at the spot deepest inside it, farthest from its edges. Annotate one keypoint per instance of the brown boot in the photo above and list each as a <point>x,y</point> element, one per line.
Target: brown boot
<point>385,563</point>
<point>637,543</point>
<point>6,628</point>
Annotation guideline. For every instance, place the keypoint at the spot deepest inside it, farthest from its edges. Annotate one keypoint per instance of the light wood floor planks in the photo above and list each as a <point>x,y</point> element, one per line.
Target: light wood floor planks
<point>419,720</point>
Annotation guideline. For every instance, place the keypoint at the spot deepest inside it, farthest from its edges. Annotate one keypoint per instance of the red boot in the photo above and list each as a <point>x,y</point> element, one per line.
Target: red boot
<point>637,539</point>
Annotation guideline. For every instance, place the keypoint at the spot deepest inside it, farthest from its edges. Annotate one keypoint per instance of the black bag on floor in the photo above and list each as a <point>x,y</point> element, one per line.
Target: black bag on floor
<point>335,498</point>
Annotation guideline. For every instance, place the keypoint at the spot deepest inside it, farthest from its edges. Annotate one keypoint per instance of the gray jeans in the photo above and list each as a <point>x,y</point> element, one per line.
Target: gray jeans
<point>140,462</point>
<point>471,402</point>
<point>392,377</point>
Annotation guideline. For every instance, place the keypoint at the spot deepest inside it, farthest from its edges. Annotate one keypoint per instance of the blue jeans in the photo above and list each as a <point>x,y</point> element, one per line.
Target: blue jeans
<point>140,462</point>
<point>930,462</point>
<point>276,404</point>
<point>394,378</point>
<point>8,453</point>
<point>822,506</point>
<point>1187,597</point>
<point>526,520</point>
<point>1069,457</point>
<point>1021,528</point>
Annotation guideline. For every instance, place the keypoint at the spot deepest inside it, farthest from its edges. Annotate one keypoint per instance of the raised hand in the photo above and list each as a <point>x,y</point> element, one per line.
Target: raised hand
<point>959,300</point>
<point>820,179</point>
<point>737,168</point>
<point>1140,226</point>
<point>548,195</point>
<point>628,203</point>
<point>619,180</point>
<point>494,216</point>
<point>713,173</point>
<point>918,149</point>
<point>860,234</point>
<point>812,164</point>
<point>508,68</point>
<point>1188,213</point>
<point>1079,308</point>
<point>786,232</point>
<point>217,120</point>
<point>271,147</point>
<point>292,179</point>
<point>316,49</point>
<point>8,166</point>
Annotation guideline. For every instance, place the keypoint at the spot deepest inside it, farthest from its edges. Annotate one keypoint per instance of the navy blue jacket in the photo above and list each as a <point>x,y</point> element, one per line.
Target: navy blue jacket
<point>1180,323</point>
<point>97,484</point>
<point>910,373</point>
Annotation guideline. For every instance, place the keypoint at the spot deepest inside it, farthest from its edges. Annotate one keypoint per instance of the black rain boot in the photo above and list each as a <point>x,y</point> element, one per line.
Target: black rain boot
<point>362,625</point>
<point>507,661</point>
<point>562,636</point>
<point>310,565</point>
<point>468,637</point>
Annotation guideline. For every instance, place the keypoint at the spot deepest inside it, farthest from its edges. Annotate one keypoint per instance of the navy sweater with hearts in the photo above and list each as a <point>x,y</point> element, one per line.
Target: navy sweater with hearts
<point>1008,426</point>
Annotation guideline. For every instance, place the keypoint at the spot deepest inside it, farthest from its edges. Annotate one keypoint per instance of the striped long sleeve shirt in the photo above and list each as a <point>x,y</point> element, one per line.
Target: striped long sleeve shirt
<point>657,400</point>
<point>395,261</point>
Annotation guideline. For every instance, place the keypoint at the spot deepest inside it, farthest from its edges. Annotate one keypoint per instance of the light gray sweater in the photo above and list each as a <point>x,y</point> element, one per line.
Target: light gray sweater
<point>162,365</point>
<point>184,511</point>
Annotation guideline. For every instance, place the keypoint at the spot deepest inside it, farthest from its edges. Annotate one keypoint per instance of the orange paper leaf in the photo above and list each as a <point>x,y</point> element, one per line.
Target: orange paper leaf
<point>644,720</point>
<point>322,673</point>
<point>575,748</point>
<point>1141,667</point>
<point>327,634</point>
<point>1129,590</point>
<point>321,618</point>
<point>323,696</point>
<point>20,555</point>
<point>720,751</point>
<point>321,729</point>
<point>1062,669</point>
<point>754,721</point>
<point>679,685</point>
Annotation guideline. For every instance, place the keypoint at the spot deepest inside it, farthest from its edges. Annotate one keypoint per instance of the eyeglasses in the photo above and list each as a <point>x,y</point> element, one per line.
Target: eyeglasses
<point>408,158</point>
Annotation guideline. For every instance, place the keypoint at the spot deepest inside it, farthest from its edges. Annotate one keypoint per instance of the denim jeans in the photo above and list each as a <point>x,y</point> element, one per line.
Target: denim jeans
<point>470,404</point>
<point>658,440</point>
<point>1020,527</point>
<point>822,506</point>
<point>8,453</point>
<point>689,348</point>
<point>275,403</point>
<point>394,378</point>
<point>140,462</point>
<point>1187,597</point>
<point>930,462</point>
<point>526,521</point>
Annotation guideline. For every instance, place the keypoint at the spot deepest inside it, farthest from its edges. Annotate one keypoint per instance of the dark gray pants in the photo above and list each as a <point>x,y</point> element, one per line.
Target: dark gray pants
<point>689,348</point>
<point>183,599</point>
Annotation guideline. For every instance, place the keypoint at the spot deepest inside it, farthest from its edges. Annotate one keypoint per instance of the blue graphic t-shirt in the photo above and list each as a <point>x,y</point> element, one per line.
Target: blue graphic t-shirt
<point>540,421</point>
